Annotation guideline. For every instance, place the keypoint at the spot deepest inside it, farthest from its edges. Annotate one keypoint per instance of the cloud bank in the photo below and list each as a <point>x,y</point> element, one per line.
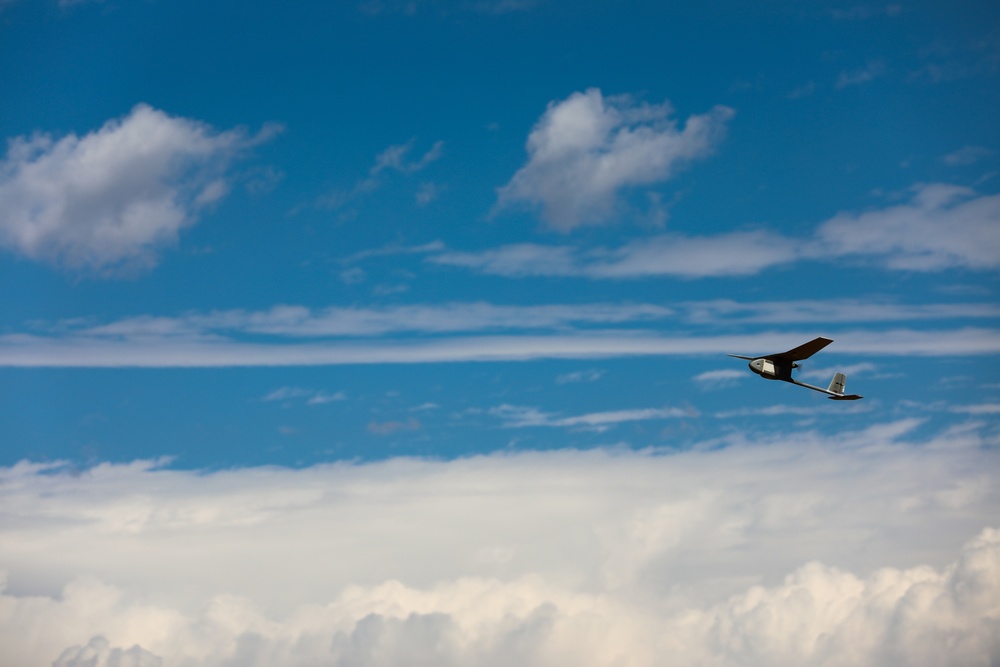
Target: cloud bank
<point>111,199</point>
<point>588,148</point>
<point>863,548</point>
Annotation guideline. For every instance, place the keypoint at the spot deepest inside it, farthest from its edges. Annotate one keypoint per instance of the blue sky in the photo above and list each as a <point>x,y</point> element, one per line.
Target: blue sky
<point>247,247</point>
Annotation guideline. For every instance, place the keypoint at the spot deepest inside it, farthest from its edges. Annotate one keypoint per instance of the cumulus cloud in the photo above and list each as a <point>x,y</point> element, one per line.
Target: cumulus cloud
<point>111,199</point>
<point>799,548</point>
<point>588,148</point>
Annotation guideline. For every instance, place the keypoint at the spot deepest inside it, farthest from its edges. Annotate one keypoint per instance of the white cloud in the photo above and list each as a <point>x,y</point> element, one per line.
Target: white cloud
<point>980,409</point>
<point>393,158</point>
<point>299,321</point>
<point>720,378</point>
<point>591,375</point>
<point>286,393</point>
<point>296,335</point>
<point>322,397</point>
<point>941,227</point>
<point>863,12</point>
<point>292,322</point>
<point>588,148</point>
<point>415,7</point>
<point>519,416</point>
<point>828,311</point>
<point>797,549</point>
<point>84,351</point>
<point>111,199</point>
<point>676,255</point>
<point>826,372</point>
<point>798,410</point>
<point>966,155</point>
<point>869,72</point>
<point>427,193</point>
<point>311,396</point>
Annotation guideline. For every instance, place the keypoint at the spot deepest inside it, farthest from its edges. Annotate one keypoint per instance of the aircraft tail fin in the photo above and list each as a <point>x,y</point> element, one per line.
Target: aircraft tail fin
<point>837,385</point>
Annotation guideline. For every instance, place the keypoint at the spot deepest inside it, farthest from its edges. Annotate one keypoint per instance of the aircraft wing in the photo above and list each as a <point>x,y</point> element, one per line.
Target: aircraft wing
<point>803,351</point>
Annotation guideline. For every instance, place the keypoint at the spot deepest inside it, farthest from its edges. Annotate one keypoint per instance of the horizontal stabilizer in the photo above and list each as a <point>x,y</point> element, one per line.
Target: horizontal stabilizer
<point>837,387</point>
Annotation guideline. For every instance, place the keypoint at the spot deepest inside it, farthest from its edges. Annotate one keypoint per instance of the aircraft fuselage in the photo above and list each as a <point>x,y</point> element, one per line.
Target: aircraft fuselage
<point>772,370</point>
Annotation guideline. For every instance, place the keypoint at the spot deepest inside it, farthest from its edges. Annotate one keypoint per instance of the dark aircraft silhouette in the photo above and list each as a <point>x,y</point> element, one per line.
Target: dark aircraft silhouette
<point>779,367</point>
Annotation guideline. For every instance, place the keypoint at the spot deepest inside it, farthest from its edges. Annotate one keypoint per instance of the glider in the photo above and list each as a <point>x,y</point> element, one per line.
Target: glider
<point>779,367</point>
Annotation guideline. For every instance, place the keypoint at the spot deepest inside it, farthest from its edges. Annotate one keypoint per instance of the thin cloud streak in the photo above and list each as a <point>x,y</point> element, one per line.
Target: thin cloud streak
<point>149,352</point>
<point>300,322</point>
<point>942,226</point>
<point>519,416</point>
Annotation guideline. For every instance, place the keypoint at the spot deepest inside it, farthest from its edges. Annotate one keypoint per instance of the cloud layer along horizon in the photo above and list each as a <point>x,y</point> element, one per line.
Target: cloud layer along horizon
<point>766,552</point>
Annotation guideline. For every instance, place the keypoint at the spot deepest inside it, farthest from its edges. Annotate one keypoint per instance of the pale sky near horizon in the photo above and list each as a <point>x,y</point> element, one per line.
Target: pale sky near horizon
<point>342,333</point>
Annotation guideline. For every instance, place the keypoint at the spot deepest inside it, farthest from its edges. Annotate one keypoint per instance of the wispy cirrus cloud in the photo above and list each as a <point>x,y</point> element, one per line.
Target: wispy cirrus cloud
<point>588,148</point>
<point>289,395</point>
<point>977,409</point>
<point>303,322</point>
<point>110,200</point>
<point>20,350</point>
<point>940,227</point>
<point>394,158</point>
<point>545,558</point>
<point>871,71</point>
<point>966,155</point>
<point>519,416</point>
<point>297,335</point>
<point>795,410</point>
<point>720,378</point>
<point>864,12</point>
<point>673,255</point>
<point>722,311</point>
<point>444,7</point>
<point>591,375</point>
